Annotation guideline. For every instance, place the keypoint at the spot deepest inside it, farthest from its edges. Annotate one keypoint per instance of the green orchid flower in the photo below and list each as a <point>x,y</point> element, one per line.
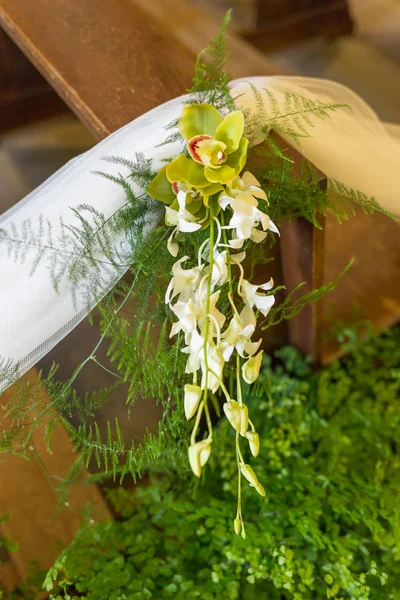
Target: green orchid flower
<point>218,153</point>
<point>215,144</point>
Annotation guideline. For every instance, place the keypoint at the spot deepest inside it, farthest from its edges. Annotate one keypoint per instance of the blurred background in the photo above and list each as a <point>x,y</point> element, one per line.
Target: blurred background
<point>355,42</point>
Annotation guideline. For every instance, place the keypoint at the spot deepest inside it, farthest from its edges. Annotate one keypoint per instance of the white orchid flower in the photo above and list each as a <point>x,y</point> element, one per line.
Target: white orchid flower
<point>220,269</point>
<point>237,335</point>
<point>186,314</point>
<point>199,454</point>
<point>251,368</point>
<point>192,399</point>
<point>183,282</point>
<point>242,198</point>
<point>182,218</point>
<point>262,302</point>
<point>194,349</point>
<point>213,310</point>
<point>215,363</point>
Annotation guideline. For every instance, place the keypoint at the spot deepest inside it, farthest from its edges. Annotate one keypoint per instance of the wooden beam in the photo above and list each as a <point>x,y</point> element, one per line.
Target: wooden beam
<point>107,59</point>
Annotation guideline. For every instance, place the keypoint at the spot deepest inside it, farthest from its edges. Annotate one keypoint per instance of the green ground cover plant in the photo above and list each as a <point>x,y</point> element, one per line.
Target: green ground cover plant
<point>328,527</point>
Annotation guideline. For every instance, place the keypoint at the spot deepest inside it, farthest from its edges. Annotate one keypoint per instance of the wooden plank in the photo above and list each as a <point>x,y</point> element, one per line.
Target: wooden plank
<point>107,59</point>
<point>27,494</point>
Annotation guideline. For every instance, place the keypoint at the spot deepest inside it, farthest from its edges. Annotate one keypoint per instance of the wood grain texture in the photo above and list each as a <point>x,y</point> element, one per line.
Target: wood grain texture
<point>107,59</point>
<point>27,494</point>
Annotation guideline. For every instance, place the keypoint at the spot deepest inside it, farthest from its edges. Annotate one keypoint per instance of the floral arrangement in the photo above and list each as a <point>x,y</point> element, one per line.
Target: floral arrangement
<point>208,188</point>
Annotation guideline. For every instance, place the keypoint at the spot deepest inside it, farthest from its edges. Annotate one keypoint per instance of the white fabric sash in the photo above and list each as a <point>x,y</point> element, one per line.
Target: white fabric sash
<point>352,146</point>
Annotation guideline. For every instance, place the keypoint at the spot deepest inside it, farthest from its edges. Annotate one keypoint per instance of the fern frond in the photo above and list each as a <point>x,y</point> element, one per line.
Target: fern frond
<point>210,81</point>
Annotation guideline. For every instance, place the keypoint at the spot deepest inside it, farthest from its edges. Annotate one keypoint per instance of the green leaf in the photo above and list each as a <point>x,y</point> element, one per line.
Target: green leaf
<point>199,119</point>
<point>185,169</point>
<point>230,131</point>
<point>160,188</point>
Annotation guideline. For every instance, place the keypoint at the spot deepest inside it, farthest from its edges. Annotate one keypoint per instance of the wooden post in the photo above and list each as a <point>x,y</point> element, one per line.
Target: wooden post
<point>302,252</point>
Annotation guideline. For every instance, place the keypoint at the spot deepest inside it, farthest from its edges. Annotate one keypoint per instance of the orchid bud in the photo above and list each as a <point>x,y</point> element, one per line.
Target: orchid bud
<point>249,474</point>
<point>260,489</point>
<point>199,454</point>
<point>192,399</point>
<point>237,524</point>
<point>237,415</point>
<point>251,477</point>
<point>254,442</point>
<point>251,368</point>
<point>232,413</point>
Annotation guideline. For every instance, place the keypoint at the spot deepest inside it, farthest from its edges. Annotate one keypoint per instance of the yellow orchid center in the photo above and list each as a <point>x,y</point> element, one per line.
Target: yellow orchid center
<point>207,151</point>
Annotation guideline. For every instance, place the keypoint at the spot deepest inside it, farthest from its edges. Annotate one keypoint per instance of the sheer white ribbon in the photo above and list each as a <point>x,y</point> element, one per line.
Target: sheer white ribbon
<point>353,147</point>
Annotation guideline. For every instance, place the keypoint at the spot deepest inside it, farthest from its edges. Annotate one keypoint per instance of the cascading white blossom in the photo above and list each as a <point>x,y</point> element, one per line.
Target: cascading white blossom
<point>212,340</point>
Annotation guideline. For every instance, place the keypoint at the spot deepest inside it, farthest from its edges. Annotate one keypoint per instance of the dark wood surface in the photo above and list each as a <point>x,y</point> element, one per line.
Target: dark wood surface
<point>280,23</point>
<point>24,95</point>
<point>303,261</point>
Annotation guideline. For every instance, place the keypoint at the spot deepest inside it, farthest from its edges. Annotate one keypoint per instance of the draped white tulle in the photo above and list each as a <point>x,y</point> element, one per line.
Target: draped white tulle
<point>353,147</point>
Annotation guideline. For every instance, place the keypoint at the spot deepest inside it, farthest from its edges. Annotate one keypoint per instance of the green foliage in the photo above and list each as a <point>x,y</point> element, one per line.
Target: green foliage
<point>294,119</point>
<point>211,80</point>
<point>329,527</point>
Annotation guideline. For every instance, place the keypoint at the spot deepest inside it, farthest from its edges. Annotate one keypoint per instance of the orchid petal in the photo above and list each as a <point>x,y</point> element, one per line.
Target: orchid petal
<point>251,368</point>
<point>193,395</point>
<point>185,169</point>
<point>230,131</point>
<point>198,455</point>
<point>249,179</point>
<point>160,188</point>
